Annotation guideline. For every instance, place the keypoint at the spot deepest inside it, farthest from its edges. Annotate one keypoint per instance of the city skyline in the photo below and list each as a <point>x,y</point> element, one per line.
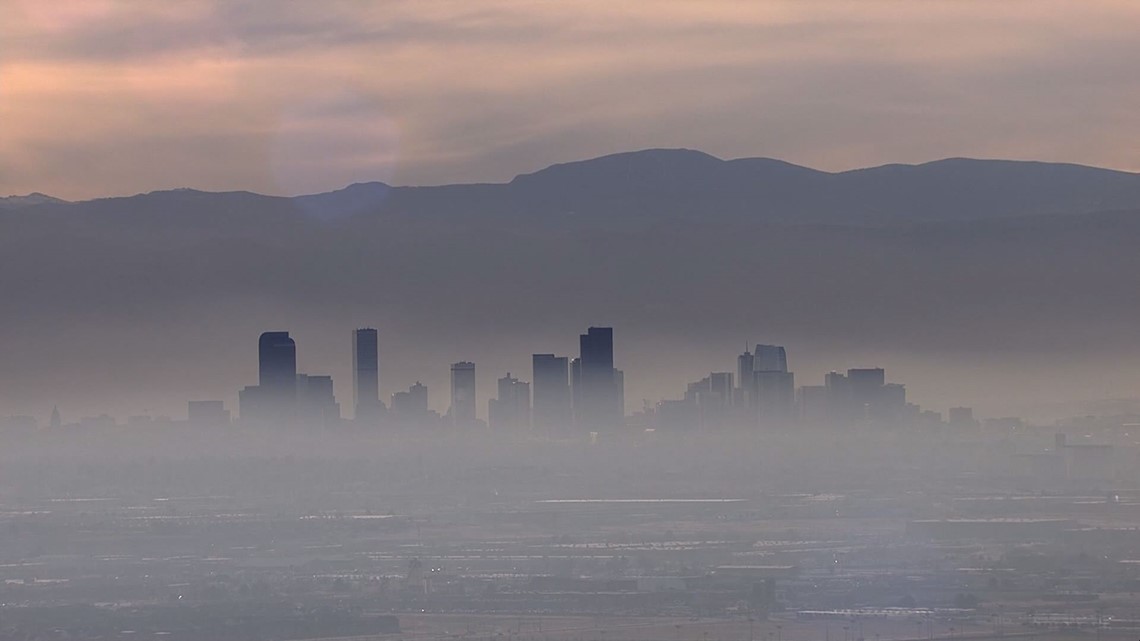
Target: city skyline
<point>751,249</point>
<point>768,364</point>
<point>573,397</point>
<point>355,320</point>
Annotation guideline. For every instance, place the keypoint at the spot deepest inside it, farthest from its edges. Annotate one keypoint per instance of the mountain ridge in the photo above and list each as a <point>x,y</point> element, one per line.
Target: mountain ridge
<point>649,158</point>
<point>961,259</point>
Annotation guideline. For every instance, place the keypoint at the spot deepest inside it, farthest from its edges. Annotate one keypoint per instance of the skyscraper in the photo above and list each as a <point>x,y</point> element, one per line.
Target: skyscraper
<point>600,398</point>
<point>277,367</point>
<point>775,396</point>
<point>273,400</point>
<point>365,374</point>
<point>770,358</point>
<point>316,404</point>
<point>744,369</point>
<point>463,394</point>
<point>866,386</point>
<point>511,410</point>
<point>814,409</point>
<point>550,378</point>
<point>772,392</point>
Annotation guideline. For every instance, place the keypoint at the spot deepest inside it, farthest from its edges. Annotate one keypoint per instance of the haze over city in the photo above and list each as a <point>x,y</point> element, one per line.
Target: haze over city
<point>495,320</point>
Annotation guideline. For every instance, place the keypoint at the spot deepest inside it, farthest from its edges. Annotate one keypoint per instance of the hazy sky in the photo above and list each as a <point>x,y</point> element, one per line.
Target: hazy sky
<point>101,97</point>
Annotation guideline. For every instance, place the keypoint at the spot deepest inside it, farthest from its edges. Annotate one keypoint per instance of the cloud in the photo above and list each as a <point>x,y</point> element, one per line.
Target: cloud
<point>258,95</point>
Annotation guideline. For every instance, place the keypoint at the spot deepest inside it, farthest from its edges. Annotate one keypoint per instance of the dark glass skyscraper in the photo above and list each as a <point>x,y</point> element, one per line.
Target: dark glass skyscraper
<point>274,398</point>
<point>463,393</point>
<point>770,358</point>
<point>599,399</point>
<point>551,390</point>
<point>772,391</point>
<point>365,373</point>
<point>277,366</point>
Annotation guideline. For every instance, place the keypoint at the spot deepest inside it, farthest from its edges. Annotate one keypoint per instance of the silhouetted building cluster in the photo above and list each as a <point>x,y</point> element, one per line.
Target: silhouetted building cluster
<point>282,396</point>
<point>570,397</point>
<point>763,395</point>
<point>582,395</point>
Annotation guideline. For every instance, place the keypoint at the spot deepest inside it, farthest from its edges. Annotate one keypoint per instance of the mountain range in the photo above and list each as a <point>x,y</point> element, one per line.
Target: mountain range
<point>990,268</point>
<point>680,183</point>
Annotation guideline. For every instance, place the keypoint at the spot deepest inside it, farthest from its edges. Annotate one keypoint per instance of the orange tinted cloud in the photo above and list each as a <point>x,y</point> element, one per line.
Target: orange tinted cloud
<point>111,96</point>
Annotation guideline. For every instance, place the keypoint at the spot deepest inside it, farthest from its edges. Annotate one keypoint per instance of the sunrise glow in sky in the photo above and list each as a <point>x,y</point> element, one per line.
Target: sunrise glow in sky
<point>110,97</point>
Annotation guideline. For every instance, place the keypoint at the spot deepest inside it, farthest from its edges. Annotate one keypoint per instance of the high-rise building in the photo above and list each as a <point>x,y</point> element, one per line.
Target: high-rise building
<point>316,404</point>
<point>712,397</point>
<point>866,385</point>
<point>273,400</point>
<point>277,366</point>
<point>744,369</point>
<point>552,405</point>
<point>600,398</point>
<point>775,394</point>
<point>720,384</point>
<point>511,410</point>
<point>770,358</point>
<point>463,394</point>
<point>814,406</point>
<point>365,374</point>
<point>840,406</point>
<point>771,391</point>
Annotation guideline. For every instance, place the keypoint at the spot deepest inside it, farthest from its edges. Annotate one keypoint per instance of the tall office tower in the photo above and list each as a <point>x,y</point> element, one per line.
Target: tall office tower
<point>813,406</point>
<point>365,374</point>
<point>316,404</point>
<point>866,387</point>
<point>463,394</point>
<point>277,366</point>
<point>775,396</point>
<point>511,410</point>
<point>770,358</point>
<point>712,396</point>
<point>720,384</point>
<point>839,404</point>
<point>891,406</point>
<point>552,409</point>
<point>274,398</point>
<point>771,392</point>
<point>744,370</point>
<point>599,398</point>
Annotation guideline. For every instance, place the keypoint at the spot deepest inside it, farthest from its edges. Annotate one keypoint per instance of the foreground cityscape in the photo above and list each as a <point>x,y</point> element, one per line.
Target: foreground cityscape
<point>745,509</point>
